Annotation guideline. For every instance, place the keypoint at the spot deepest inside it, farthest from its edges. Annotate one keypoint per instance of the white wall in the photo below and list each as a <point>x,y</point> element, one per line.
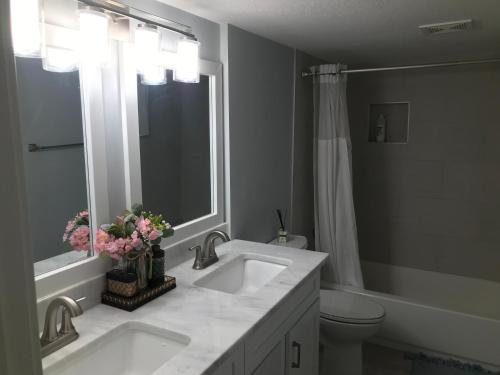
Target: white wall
<point>260,122</point>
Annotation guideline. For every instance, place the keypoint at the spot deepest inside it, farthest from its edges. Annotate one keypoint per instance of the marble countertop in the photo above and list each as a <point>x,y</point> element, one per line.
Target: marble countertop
<point>214,321</point>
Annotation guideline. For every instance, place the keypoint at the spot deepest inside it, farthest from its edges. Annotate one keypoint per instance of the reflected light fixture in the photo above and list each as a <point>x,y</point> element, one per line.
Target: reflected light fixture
<point>26,34</point>
<point>187,67</point>
<point>155,75</point>
<point>94,44</point>
<point>60,60</point>
<point>147,47</point>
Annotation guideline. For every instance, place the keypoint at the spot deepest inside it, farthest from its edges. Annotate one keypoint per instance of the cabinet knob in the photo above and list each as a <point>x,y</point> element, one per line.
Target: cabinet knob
<point>296,348</point>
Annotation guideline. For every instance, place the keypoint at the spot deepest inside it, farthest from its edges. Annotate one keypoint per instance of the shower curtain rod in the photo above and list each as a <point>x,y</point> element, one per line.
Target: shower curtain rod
<point>403,67</point>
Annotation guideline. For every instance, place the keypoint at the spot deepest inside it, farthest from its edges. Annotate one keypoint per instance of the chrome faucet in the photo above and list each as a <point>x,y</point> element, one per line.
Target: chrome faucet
<point>207,256</point>
<point>52,339</point>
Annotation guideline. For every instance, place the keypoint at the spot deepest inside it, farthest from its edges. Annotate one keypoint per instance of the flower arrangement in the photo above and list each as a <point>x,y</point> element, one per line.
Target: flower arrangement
<point>77,233</point>
<point>134,230</point>
<point>132,239</point>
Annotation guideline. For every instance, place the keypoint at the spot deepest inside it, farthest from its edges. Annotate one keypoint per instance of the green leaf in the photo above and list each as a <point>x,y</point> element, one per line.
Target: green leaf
<point>130,217</point>
<point>129,228</point>
<point>137,209</point>
<point>168,232</point>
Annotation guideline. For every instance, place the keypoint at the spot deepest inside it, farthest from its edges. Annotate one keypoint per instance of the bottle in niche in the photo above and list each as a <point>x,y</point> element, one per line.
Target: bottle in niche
<point>380,129</point>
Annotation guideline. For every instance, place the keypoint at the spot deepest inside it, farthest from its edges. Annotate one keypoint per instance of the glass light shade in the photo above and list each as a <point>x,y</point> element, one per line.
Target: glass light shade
<point>26,31</point>
<point>147,48</point>
<point>94,43</point>
<point>60,60</point>
<point>154,76</point>
<point>187,67</point>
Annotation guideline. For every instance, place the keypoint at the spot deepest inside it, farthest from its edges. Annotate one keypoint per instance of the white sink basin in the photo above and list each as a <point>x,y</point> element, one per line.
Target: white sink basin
<point>245,274</point>
<point>132,348</point>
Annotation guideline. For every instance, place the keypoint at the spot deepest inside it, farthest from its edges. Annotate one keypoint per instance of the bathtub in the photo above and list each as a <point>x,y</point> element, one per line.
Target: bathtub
<point>436,313</point>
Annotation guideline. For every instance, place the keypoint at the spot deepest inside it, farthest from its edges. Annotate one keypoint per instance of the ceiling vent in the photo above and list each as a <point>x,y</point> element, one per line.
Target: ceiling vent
<point>446,27</point>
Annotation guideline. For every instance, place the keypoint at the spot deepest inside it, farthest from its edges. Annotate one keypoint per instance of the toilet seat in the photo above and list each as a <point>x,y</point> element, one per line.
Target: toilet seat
<point>350,308</point>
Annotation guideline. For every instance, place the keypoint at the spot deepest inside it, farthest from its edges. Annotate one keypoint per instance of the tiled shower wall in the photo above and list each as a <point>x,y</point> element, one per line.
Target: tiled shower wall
<point>433,203</point>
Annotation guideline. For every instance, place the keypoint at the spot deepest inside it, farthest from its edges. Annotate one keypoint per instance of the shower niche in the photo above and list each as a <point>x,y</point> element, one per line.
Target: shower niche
<point>389,122</point>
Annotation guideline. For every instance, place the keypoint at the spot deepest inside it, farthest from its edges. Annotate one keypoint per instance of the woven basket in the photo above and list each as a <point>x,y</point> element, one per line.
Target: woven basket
<point>121,283</point>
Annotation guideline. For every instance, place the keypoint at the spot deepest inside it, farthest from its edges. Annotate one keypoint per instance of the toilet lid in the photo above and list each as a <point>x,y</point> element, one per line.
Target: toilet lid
<point>349,308</point>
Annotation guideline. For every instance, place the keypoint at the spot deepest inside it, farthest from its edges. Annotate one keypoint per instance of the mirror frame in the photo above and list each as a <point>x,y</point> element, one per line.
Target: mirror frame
<point>131,143</point>
<point>120,80</point>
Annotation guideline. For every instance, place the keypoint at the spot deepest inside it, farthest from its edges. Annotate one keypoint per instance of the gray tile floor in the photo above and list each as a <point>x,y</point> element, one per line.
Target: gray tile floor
<point>380,360</point>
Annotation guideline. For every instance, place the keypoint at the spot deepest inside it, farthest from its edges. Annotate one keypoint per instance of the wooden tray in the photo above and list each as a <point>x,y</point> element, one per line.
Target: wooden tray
<point>143,297</point>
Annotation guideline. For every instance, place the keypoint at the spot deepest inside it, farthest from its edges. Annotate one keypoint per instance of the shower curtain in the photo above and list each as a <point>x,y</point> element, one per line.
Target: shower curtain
<point>335,221</point>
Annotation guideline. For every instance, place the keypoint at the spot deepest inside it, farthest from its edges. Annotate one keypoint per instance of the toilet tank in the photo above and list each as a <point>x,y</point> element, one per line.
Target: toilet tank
<point>294,240</point>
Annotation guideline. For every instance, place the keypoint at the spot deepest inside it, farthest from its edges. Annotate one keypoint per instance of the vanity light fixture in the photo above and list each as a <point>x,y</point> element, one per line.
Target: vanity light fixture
<point>187,67</point>
<point>94,26</point>
<point>147,47</point>
<point>59,60</point>
<point>147,54</point>
<point>155,75</point>
<point>95,31</point>
<point>26,34</point>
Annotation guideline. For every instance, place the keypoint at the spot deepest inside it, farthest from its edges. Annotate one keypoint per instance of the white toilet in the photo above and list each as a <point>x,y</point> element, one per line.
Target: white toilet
<point>346,320</point>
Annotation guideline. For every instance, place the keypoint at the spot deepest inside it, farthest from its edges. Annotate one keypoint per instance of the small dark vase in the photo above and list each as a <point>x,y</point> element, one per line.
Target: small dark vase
<point>158,266</point>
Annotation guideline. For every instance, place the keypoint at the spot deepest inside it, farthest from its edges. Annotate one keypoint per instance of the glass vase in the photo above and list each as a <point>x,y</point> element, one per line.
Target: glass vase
<point>141,271</point>
<point>138,265</point>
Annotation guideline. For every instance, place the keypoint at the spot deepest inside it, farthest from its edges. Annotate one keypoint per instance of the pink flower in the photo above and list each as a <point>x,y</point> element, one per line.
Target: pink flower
<point>69,228</point>
<point>136,242</point>
<point>154,234</point>
<point>143,225</point>
<point>84,213</point>
<point>79,239</point>
<point>101,239</point>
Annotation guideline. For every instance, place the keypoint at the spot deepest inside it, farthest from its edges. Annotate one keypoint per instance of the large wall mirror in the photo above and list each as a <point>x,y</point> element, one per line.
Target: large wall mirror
<point>54,162</point>
<point>179,143</point>
<point>175,147</point>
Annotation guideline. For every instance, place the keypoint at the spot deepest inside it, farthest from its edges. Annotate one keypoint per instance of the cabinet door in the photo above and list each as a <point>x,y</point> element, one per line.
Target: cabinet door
<point>303,344</point>
<point>274,363</point>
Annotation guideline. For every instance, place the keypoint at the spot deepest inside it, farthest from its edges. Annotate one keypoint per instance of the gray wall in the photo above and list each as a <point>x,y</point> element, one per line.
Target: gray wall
<point>433,203</point>
<point>303,133</point>
<point>261,105</point>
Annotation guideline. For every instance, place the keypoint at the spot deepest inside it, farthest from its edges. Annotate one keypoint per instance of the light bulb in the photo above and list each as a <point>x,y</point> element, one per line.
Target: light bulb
<point>94,42</point>
<point>59,60</point>
<point>147,48</point>
<point>187,67</point>
<point>26,34</point>
<point>154,76</point>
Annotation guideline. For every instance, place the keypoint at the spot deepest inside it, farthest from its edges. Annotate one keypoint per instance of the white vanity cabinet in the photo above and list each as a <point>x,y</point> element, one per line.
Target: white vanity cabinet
<point>286,342</point>
<point>296,353</point>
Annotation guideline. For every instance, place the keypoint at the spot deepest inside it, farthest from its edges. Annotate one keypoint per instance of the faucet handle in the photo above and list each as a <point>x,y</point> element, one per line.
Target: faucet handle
<point>197,248</point>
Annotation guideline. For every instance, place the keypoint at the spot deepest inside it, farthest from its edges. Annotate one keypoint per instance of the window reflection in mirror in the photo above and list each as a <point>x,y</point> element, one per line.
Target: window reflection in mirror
<point>174,127</point>
<point>54,162</point>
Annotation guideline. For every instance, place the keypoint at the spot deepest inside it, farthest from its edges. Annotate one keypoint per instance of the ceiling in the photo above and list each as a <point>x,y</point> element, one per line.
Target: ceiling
<point>363,32</point>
